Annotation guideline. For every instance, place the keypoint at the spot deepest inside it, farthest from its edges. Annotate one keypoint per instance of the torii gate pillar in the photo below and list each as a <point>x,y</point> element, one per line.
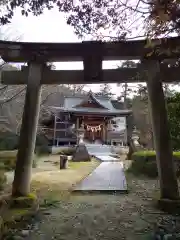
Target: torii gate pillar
<point>162,140</point>
<point>22,178</point>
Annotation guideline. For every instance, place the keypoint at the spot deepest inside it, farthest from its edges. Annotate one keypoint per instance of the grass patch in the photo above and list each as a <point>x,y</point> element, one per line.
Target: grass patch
<point>51,188</point>
<point>58,184</point>
<point>76,165</point>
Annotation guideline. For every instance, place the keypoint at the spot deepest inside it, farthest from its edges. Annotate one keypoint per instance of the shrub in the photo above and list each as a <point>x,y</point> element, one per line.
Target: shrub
<point>42,147</point>
<point>8,141</point>
<point>2,166</point>
<point>41,140</point>
<point>3,179</point>
<point>43,150</point>
<point>8,160</point>
<point>144,163</point>
<point>67,151</point>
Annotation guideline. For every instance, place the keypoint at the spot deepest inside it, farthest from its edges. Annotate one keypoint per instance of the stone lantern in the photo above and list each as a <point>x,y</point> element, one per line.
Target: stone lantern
<point>81,154</point>
<point>80,135</point>
<point>135,137</point>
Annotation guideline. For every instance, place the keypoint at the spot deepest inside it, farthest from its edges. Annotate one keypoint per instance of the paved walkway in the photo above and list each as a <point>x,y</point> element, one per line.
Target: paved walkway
<point>108,176</point>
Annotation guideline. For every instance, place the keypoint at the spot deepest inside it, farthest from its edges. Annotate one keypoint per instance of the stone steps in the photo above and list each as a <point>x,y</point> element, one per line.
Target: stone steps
<point>94,149</point>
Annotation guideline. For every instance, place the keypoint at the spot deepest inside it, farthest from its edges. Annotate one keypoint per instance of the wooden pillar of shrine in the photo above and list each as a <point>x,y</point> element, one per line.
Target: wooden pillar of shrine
<point>22,178</point>
<point>162,141</point>
<point>126,132</point>
<point>77,127</point>
<point>104,131</point>
<point>77,123</point>
<point>106,125</point>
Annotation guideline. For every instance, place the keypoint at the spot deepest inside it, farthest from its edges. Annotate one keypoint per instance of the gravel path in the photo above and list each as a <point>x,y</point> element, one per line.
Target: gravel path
<point>108,217</point>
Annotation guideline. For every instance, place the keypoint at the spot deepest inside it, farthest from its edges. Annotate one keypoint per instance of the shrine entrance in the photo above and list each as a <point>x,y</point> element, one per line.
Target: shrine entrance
<point>95,129</point>
<point>93,133</point>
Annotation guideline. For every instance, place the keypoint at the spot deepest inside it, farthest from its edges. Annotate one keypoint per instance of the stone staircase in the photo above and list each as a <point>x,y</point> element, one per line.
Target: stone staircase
<point>99,149</point>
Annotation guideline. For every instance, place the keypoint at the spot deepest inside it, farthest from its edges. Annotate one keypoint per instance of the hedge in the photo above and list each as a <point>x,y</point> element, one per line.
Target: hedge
<point>8,160</point>
<point>144,163</point>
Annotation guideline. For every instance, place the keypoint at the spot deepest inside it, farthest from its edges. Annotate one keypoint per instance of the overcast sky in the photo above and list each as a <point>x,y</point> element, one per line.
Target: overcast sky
<point>49,27</point>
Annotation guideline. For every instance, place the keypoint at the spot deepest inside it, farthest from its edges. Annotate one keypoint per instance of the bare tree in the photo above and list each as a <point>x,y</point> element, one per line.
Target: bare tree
<point>76,88</point>
<point>9,95</point>
<point>119,19</point>
<point>105,90</point>
<point>126,89</point>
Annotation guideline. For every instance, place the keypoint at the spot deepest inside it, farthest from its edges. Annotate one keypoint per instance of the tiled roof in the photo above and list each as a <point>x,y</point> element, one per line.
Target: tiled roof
<point>92,110</point>
<point>70,104</point>
<point>108,106</point>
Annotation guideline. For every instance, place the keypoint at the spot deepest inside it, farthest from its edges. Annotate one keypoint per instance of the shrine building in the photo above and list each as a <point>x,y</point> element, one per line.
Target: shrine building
<point>103,119</point>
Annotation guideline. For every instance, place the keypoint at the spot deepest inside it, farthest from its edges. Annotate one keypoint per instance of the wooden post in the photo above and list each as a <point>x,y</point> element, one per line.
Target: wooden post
<point>104,131</point>
<point>22,178</point>
<point>162,141</point>
<point>54,136</point>
<point>125,132</point>
<point>129,129</point>
<point>77,127</point>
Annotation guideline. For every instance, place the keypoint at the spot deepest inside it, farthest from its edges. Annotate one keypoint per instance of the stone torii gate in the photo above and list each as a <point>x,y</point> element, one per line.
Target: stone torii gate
<point>92,54</point>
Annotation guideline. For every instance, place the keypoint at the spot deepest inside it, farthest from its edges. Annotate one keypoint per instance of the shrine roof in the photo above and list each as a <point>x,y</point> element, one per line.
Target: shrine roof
<point>94,111</point>
<point>72,104</point>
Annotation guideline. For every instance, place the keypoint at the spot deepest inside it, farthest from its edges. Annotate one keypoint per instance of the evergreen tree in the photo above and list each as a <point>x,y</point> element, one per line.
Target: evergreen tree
<point>105,90</point>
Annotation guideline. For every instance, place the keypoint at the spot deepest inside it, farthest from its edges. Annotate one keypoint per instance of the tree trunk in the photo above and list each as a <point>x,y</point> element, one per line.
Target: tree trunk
<point>129,129</point>
<point>162,141</point>
<point>22,178</point>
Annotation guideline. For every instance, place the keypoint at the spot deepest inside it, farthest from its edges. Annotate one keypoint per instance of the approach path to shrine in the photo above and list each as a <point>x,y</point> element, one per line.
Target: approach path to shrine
<point>108,176</point>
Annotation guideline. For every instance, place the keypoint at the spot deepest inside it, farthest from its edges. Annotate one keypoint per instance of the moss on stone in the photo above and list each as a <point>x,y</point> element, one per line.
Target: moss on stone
<point>16,218</point>
<point>24,201</point>
<point>29,196</point>
<point>16,212</point>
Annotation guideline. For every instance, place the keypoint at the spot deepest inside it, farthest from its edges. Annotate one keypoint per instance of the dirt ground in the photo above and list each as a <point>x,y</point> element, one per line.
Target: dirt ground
<point>99,217</point>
